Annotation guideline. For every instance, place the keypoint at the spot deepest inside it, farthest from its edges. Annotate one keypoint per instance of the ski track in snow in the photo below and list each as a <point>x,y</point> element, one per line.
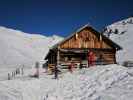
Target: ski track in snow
<point>110,82</point>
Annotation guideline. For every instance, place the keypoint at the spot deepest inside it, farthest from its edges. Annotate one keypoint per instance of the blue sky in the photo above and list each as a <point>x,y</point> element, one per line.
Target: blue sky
<point>61,17</point>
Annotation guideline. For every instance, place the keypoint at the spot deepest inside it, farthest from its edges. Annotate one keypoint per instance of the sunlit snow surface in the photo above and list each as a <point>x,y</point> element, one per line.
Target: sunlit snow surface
<point>124,38</point>
<point>110,82</point>
<point>18,48</point>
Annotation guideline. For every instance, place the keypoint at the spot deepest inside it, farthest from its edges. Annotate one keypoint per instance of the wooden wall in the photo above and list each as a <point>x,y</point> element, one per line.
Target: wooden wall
<point>108,56</point>
<point>85,39</point>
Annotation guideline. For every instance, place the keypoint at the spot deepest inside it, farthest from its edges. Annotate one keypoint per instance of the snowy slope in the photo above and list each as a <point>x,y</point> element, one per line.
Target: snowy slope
<point>110,82</point>
<point>17,47</point>
<point>122,33</point>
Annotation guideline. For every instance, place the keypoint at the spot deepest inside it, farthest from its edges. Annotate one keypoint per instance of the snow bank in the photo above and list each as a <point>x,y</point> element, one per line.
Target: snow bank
<point>121,33</point>
<point>88,83</point>
<point>109,82</point>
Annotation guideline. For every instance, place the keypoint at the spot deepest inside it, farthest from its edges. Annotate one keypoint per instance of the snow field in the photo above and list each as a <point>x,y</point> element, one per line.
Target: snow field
<point>110,82</point>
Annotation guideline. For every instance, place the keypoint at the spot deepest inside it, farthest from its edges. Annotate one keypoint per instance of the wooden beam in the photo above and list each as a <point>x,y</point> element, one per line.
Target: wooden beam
<point>58,56</point>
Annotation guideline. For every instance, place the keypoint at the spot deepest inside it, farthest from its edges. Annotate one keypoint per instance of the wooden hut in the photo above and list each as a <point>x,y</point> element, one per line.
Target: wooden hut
<point>76,47</point>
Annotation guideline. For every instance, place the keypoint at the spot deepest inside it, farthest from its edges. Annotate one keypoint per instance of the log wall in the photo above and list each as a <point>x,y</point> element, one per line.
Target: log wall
<point>107,56</point>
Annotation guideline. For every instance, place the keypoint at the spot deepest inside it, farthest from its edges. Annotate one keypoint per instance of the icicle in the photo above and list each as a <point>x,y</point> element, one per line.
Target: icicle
<point>76,36</point>
<point>100,38</point>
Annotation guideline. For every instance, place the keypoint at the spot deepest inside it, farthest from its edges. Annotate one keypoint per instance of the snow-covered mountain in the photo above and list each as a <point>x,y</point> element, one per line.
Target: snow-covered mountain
<point>17,47</point>
<point>122,33</point>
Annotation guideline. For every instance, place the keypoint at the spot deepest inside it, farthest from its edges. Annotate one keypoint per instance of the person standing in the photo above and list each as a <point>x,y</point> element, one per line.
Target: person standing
<point>91,58</point>
<point>70,67</point>
<point>56,72</point>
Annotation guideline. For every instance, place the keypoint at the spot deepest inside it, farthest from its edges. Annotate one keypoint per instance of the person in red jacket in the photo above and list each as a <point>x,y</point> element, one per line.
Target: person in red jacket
<point>91,58</point>
<point>70,67</point>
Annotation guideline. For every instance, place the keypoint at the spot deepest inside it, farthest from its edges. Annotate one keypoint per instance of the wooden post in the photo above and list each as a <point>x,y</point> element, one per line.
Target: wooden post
<point>51,58</point>
<point>58,56</point>
<point>37,69</point>
<point>100,41</point>
<point>12,74</point>
<point>22,70</point>
<point>9,76</point>
<point>88,58</point>
<point>115,62</point>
